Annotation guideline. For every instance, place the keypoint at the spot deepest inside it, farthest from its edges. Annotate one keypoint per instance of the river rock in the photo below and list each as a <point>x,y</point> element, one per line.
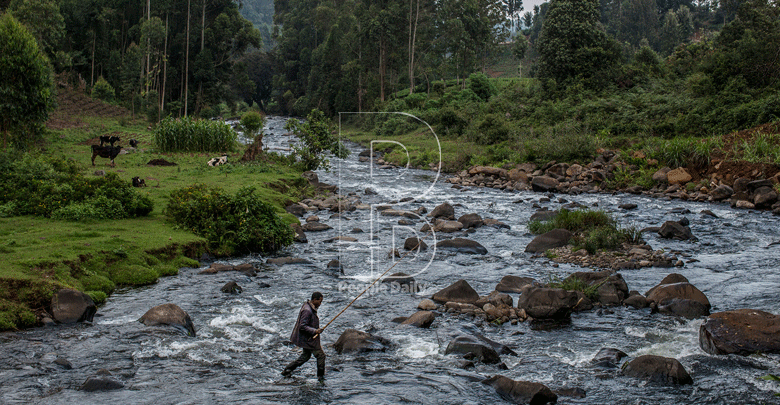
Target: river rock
<point>671,299</point>
<point>169,314</point>
<point>248,269</point>
<point>415,244</point>
<point>473,348</point>
<point>544,184</point>
<point>657,369</point>
<point>420,319</point>
<point>488,171</point>
<point>460,291</point>
<point>232,288</point>
<point>461,245</point>
<point>495,223</point>
<point>295,209</point>
<point>102,381</point>
<point>636,300</point>
<point>315,227</point>
<point>448,226</point>
<point>335,265</point>
<point>400,213</point>
<point>281,261</point>
<point>676,230</point>
<point>471,221</point>
<point>660,175</point>
<point>552,239</point>
<point>401,282</point>
<point>513,284</point>
<point>721,192</point>
<point>352,340</point>
<point>764,197</point>
<point>496,299</point>
<point>743,332</point>
<point>608,358</point>
<point>521,392</point>
<point>443,211</point>
<point>543,215</point>
<point>612,288</point>
<point>70,306</point>
<point>547,303</point>
<point>427,305</point>
<point>300,235</point>
<point>678,176</point>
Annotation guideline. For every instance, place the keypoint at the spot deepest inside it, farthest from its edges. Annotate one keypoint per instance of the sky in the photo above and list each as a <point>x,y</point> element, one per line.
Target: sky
<point>528,5</point>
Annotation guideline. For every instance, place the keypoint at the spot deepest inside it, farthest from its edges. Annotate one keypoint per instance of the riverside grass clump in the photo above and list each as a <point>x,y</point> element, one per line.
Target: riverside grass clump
<point>593,230</point>
<point>575,284</point>
<point>194,135</point>
<point>52,187</point>
<point>231,224</point>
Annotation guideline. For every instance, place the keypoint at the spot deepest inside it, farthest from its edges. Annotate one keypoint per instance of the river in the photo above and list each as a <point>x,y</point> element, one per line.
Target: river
<point>240,346</point>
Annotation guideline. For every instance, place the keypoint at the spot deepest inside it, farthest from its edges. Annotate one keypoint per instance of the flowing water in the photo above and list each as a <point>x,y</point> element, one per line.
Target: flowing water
<point>240,345</point>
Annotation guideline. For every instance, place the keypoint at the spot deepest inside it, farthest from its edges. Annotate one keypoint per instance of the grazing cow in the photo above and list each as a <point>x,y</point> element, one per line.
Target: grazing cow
<point>109,152</point>
<point>218,161</point>
<point>133,143</point>
<point>138,182</point>
<point>109,140</point>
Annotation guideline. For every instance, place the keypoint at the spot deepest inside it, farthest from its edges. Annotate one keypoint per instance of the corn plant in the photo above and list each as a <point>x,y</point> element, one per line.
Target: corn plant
<point>190,135</point>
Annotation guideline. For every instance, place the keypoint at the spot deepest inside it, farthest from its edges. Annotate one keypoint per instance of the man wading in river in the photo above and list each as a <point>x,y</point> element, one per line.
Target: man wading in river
<point>306,327</point>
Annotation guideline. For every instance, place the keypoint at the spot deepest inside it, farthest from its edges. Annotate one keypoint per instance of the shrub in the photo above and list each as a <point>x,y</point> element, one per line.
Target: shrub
<point>252,122</point>
<point>231,224</point>
<point>316,135</point>
<point>491,130</point>
<point>103,90</point>
<point>481,86</point>
<point>192,135</point>
<point>575,284</point>
<point>593,230</point>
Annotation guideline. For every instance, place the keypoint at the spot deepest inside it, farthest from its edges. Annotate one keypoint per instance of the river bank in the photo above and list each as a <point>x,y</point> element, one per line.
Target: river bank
<point>42,255</point>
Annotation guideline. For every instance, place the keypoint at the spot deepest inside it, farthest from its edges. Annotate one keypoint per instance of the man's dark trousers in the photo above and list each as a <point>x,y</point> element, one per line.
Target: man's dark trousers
<point>319,354</point>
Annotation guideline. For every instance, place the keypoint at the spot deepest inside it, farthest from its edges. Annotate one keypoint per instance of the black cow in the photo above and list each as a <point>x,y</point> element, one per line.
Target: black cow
<point>109,152</point>
<point>109,140</point>
<point>138,182</point>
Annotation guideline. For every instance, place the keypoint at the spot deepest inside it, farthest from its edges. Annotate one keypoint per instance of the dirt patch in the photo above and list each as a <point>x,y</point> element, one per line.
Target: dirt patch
<point>160,162</point>
<point>73,104</point>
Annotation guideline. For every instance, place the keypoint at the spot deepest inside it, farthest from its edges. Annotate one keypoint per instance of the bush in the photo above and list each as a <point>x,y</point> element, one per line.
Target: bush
<point>103,90</point>
<point>316,134</point>
<point>240,223</point>
<point>190,135</point>
<point>481,86</point>
<point>51,187</point>
<point>252,122</point>
<point>491,130</point>
<point>593,230</point>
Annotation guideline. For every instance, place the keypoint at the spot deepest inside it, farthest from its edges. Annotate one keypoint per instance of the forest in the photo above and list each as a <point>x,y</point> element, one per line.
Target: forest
<point>657,67</point>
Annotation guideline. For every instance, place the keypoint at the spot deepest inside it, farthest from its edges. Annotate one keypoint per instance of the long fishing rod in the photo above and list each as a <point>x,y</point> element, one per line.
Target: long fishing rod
<point>419,241</point>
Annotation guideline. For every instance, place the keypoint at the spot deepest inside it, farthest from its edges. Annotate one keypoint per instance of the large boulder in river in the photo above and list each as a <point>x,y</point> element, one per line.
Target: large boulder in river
<point>553,239</point>
<point>513,284</point>
<point>101,381</point>
<point>443,211</point>
<point>608,358</point>
<point>682,299</point>
<point>612,289</point>
<point>743,332</point>
<point>544,184</point>
<point>657,369</point>
<point>548,303</point>
<point>678,176</point>
<point>315,226</point>
<point>420,319</point>
<point>415,244</point>
<point>169,314</point>
<point>676,230</point>
<point>721,192</point>
<point>352,340</point>
<point>473,348</point>
<point>69,306</point>
<point>461,245</point>
<point>471,221</point>
<point>460,291</point>
<point>448,226</point>
<point>521,392</point>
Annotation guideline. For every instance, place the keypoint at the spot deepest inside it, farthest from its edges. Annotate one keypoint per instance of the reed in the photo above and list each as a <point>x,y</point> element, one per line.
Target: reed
<point>194,135</point>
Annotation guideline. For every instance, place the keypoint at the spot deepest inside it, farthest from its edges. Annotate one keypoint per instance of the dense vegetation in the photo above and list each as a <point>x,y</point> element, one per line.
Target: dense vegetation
<point>231,224</point>
<point>193,135</point>
<point>593,230</point>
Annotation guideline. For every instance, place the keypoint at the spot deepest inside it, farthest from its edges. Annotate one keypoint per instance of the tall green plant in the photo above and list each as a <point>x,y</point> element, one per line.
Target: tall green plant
<point>316,136</point>
<point>193,135</point>
<point>26,85</point>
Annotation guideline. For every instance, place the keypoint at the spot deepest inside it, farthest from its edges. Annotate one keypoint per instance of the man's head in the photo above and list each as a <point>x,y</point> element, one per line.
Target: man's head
<point>316,299</point>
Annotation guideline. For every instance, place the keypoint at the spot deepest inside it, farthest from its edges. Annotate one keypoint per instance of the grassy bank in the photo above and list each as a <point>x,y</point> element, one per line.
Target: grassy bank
<point>42,255</point>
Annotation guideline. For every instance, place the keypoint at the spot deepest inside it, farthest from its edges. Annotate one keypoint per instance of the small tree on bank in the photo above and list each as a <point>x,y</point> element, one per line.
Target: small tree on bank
<point>316,134</point>
<point>26,84</point>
